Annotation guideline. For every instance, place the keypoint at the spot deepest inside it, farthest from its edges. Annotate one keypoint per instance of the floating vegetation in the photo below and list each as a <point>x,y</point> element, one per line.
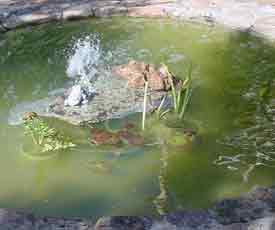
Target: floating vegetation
<point>46,138</point>
<point>245,162</point>
<point>254,146</point>
<point>257,147</point>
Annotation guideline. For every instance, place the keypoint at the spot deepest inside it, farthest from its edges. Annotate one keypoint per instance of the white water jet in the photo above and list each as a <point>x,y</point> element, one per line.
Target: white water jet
<point>85,58</point>
<point>83,67</point>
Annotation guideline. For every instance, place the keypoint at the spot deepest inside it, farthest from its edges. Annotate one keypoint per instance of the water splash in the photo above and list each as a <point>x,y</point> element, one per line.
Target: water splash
<point>84,60</point>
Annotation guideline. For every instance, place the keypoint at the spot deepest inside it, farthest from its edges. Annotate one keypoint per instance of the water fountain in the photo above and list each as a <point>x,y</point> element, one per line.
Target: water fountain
<point>83,69</point>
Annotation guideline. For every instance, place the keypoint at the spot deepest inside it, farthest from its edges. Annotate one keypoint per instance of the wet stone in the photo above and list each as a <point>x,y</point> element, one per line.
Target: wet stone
<point>190,219</point>
<point>245,213</point>
<point>102,137</point>
<point>265,195</point>
<point>123,223</point>
<point>241,210</point>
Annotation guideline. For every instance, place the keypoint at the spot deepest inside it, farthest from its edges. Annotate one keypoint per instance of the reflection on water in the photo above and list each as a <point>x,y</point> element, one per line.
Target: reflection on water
<point>232,108</point>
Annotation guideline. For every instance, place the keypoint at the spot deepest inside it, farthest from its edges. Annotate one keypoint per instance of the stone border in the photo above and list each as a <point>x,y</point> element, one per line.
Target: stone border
<point>252,15</point>
<point>254,211</point>
<point>18,13</point>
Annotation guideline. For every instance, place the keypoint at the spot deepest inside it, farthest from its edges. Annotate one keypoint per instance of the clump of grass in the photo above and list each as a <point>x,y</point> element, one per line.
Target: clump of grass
<point>181,94</point>
<point>49,139</point>
<point>160,112</point>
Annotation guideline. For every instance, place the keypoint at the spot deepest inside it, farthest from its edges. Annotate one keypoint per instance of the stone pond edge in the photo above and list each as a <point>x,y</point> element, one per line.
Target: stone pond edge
<point>254,16</point>
<point>255,210</point>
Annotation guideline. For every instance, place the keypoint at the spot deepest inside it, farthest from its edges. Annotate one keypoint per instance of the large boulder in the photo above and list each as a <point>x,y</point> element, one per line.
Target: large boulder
<point>111,99</point>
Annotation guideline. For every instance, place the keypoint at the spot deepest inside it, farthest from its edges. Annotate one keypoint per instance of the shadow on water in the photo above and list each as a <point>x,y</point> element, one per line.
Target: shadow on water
<point>234,77</point>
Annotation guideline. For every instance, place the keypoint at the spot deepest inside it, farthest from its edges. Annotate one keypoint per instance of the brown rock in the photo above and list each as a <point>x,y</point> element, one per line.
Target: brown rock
<point>29,115</point>
<point>101,137</point>
<point>137,72</point>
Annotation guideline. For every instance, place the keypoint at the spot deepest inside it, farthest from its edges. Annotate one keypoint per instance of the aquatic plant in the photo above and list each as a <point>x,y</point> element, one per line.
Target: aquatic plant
<point>160,112</point>
<point>256,147</point>
<point>49,139</point>
<point>181,94</point>
<point>144,104</point>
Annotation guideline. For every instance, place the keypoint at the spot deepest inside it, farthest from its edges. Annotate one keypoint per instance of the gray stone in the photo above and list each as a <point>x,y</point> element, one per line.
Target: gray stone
<point>75,97</point>
<point>238,211</point>
<point>10,220</point>
<point>190,219</point>
<point>123,223</point>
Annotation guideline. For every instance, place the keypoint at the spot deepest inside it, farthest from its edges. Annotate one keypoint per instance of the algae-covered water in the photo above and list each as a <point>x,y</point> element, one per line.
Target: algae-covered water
<point>231,108</point>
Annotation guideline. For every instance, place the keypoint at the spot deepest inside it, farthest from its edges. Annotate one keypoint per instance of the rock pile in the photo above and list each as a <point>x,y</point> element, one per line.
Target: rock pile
<point>137,72</point>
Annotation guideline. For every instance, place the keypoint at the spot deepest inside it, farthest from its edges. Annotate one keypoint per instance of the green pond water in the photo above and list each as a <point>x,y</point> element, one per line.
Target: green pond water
<point>231,107</point>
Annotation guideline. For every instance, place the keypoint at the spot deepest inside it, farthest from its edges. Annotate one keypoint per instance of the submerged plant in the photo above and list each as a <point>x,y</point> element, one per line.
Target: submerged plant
<point>49,139</point>
<point>161,200</point>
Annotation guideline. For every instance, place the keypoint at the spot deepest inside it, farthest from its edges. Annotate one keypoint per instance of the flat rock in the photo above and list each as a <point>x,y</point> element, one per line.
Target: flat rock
<point>112,99</point>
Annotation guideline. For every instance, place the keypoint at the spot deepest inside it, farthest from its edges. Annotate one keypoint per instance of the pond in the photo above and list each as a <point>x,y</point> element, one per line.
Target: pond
<point>231,108</point>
